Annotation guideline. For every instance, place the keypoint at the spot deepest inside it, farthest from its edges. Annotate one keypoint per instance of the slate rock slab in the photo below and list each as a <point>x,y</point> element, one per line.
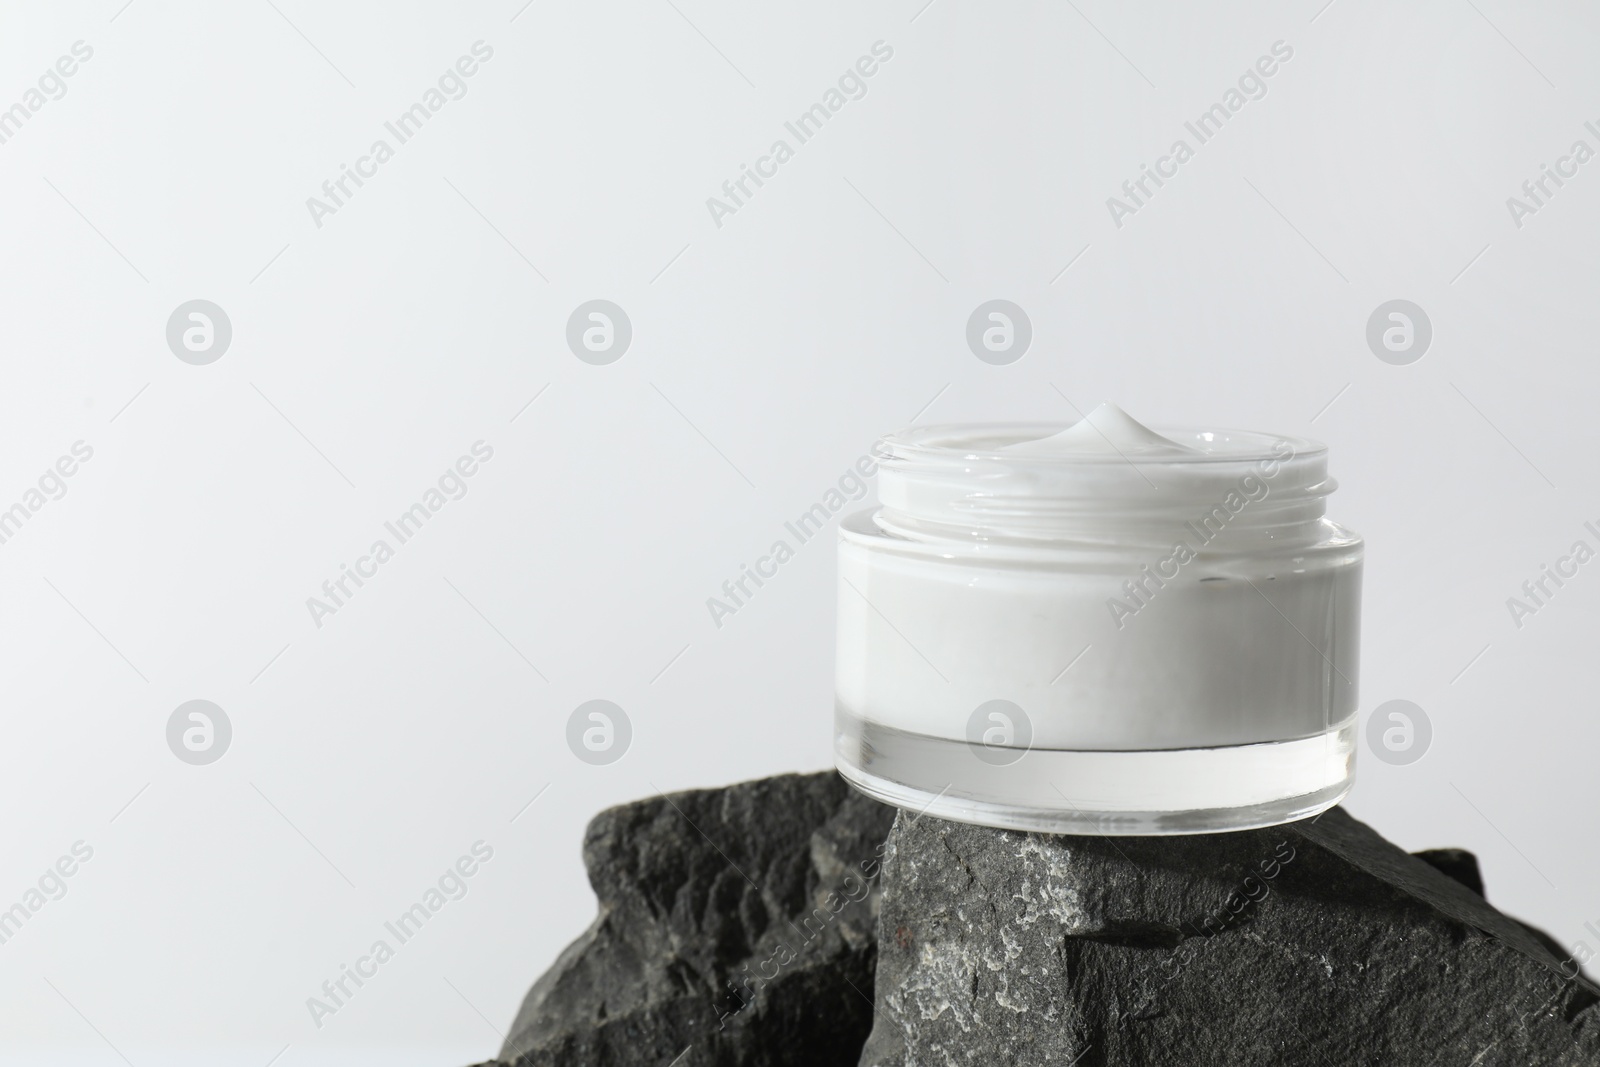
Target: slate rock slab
<point>1313,943</point>
<point>736,926</point>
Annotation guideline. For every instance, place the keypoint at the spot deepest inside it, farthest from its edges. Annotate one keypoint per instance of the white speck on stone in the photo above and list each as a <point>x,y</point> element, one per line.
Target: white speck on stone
<point>1003,997</point>
<point>1054,896</point>
<point>941,983</point>
<point>1013,944</point>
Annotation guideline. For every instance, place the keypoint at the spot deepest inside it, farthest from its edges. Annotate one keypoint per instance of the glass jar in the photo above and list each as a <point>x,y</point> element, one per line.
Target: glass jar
<point>1106,629</point>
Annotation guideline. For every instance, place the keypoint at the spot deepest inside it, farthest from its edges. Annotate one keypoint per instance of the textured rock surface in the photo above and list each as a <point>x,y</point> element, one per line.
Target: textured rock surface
<point>736,927</point>
<point>741,926</point>
<point>1314,943</point>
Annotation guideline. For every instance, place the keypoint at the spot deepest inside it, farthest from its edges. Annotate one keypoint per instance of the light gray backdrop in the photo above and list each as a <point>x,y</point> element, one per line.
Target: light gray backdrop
<point>375,339</point>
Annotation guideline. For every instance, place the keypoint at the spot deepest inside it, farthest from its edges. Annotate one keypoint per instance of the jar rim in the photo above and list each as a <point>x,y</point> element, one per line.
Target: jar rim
<point>989,442</point>
<point>965,481</point>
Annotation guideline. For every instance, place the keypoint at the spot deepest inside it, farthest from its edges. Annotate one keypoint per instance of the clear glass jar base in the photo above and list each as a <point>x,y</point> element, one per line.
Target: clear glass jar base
<point>1166,791</point>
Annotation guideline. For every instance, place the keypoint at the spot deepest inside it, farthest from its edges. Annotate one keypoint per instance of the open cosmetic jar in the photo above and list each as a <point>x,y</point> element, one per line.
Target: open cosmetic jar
<point>1103,628</point>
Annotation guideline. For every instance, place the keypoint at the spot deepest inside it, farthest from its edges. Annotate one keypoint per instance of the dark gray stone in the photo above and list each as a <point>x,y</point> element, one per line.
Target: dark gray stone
<point>1313,943</point>
<point>740,926</point>
<point>1458,863</point>
<point>736,927</point>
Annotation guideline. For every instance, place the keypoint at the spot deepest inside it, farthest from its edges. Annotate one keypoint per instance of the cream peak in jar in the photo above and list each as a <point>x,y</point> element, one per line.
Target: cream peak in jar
<point>1101,626</point>
<point>1107,430</point>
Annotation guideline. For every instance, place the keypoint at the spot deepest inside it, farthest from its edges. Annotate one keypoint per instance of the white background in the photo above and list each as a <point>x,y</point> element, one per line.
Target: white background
<point>768,353</point>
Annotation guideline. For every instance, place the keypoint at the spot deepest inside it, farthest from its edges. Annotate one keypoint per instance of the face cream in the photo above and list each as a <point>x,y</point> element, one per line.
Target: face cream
<point>1099,628</point>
